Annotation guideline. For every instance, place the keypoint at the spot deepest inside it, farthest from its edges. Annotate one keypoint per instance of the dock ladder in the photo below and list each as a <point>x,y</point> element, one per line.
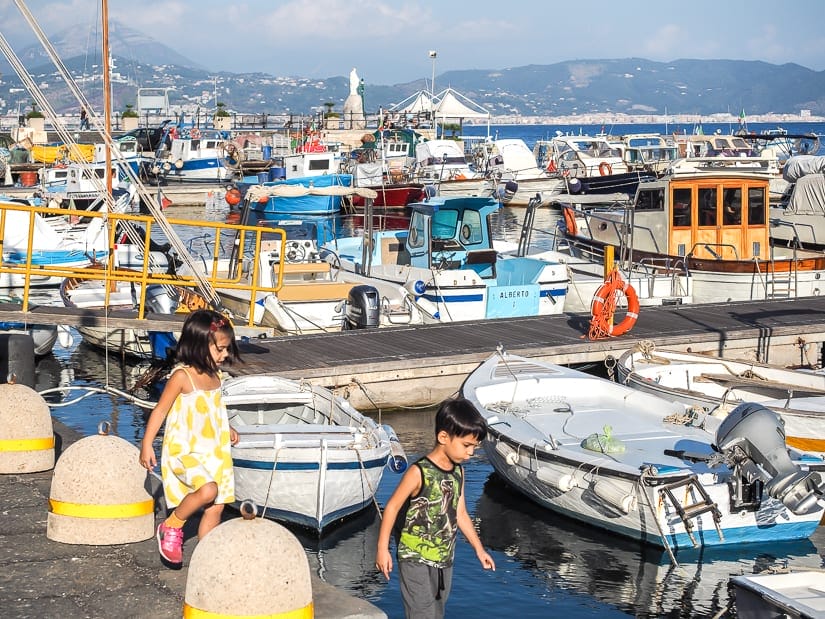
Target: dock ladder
<point>689,512</point>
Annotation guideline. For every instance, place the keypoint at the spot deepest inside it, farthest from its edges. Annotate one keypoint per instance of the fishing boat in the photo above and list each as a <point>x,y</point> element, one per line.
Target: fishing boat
<point>511,161</point>
<point>719,385</point>
<point>305,455</point>
<point>792,593</point>
<point>446,262</point>
<point>715,227</point>
<point>628,462</point>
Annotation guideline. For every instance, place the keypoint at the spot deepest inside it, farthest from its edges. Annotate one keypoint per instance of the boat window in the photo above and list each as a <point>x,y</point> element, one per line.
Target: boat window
<point>732,207</point>
<point>681,208</point>
<point>318,164</point>
<point>471,228</point>
<point>417,232</point>
<point>707,206</point>
<point>651,200</point>
<point>756,206</point>
<point>444,224</point>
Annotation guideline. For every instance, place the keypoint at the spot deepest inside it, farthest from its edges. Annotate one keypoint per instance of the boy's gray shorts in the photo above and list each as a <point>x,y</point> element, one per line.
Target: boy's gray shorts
<point>420,588</point>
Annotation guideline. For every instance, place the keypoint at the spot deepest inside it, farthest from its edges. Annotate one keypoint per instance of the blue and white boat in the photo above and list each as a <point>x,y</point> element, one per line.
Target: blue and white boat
<point>642,466</point>
<point>305,195</point>
<point>446,262</point>
<point>304,454</point>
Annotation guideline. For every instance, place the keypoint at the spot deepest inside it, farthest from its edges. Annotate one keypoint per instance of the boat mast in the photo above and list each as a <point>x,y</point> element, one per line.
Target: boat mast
<point>107,99</point>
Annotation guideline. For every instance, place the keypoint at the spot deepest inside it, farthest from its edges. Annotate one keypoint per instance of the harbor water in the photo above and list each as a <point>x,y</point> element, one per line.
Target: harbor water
<point>546,565</point>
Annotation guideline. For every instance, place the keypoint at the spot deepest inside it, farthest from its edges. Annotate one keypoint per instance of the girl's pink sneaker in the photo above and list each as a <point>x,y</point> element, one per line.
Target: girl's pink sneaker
<point>170,543</point>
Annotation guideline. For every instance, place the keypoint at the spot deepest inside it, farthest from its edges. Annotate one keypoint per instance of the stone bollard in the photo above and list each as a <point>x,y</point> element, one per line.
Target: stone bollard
<point>249,567</point>
<point>26,435</point>
<point>98,494</point>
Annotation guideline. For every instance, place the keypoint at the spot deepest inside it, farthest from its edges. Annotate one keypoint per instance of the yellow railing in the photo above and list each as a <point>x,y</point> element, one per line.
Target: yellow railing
<point>210,233</point>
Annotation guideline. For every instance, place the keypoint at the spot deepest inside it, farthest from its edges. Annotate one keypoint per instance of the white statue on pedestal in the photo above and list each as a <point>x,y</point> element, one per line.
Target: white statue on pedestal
<point>354,105</point>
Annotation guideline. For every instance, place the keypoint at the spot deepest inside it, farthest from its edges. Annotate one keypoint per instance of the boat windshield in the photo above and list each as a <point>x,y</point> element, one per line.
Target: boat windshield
<point>444,224</point>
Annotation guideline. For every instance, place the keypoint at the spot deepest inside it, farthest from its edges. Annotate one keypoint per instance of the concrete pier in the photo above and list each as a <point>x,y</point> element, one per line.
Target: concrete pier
<point>42,578</point>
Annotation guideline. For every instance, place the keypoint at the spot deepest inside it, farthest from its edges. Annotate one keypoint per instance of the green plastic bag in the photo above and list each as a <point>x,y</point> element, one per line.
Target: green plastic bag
<point>603,443</point>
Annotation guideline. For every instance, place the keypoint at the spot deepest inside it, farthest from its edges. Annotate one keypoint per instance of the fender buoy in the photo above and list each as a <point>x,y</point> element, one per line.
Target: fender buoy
<point>232,196</point>
<point>570,221</point>
<point>603,307</point>
<point>605,169</point>
<point>173,133</point>
<point>551,167</point>
<point>195,133</point>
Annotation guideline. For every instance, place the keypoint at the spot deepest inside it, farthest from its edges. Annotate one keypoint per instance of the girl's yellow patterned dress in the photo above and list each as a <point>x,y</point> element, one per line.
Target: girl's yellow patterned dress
<point>196,447</point>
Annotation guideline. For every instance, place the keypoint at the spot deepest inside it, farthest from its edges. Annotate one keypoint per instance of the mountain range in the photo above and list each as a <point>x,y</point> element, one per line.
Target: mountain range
<point>628,85</point>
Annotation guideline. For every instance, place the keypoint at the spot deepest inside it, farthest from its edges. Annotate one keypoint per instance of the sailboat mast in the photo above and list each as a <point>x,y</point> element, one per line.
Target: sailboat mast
<point>107,100</point>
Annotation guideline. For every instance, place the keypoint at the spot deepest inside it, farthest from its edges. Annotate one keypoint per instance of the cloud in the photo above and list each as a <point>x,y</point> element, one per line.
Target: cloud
<point>666,43</point>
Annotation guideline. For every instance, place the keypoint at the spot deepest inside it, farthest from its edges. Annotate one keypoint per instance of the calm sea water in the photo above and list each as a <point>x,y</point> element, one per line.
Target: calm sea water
<point>546,565</point>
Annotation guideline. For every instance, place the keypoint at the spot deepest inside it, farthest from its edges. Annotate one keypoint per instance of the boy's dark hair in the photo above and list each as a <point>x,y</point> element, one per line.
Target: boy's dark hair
<point>458,417</point>
<point>197,333</point>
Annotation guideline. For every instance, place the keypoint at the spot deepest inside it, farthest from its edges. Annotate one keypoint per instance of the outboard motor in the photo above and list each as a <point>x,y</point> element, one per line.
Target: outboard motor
<point>509,191</point>
<point>363,310</point>
<point>159,300</point>
<point>752,438</point>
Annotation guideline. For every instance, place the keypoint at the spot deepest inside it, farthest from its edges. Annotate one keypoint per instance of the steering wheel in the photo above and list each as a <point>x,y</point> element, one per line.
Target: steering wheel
<point>295,252</point>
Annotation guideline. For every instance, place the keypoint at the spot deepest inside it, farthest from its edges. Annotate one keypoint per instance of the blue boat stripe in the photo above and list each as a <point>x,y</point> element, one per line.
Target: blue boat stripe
<point>307,466</point>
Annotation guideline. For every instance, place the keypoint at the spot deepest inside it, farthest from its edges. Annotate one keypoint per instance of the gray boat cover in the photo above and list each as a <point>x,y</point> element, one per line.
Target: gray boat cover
<point>808,194</point>
<point>797,167</point>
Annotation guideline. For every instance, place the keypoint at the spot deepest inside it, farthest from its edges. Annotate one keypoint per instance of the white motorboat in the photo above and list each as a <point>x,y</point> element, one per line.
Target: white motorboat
<point>636,465</point>
<point>799,219</point>
<point>795,595</point>
<point>718,385</point>
<point>304,454</point>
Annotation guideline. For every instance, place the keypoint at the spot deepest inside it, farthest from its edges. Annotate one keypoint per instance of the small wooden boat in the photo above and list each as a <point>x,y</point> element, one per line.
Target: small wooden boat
<point>628,462</point>
<point>796,595</point>
<point>304,454</point>
<point>719,385</point>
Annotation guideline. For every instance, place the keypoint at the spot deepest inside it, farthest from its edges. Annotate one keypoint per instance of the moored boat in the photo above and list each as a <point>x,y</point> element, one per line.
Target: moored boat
<point>718,385</point>
<point>305,455</point>
<point>626,461</point>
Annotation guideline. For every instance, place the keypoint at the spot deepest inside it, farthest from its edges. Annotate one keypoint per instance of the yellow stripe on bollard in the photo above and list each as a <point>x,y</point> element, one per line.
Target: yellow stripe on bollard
<point>190,612</point>
<point>26,444</point>
<point>124,510</point>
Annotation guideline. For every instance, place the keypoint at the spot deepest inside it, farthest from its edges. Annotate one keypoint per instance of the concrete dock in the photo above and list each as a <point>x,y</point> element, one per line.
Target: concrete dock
<point>43,578</point>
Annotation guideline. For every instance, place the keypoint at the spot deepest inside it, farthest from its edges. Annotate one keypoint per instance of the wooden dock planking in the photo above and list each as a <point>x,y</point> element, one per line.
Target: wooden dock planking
<point>409,366</point>
<point>416,366</point>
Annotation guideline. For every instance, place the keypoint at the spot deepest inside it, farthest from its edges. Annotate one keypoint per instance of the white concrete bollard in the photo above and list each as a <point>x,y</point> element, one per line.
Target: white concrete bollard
<point>26,434</point>
<point>98,494</point>
<point>249,567</point>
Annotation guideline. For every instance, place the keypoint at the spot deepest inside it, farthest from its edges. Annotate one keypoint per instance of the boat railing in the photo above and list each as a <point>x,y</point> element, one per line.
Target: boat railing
<point>246,241</point>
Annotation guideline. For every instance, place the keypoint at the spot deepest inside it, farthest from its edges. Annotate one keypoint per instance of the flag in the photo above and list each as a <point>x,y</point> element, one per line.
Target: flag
<point>742,115</point>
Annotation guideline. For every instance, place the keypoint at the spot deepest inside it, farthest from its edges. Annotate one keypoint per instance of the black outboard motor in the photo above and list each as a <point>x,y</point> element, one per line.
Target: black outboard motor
<point>363,310</point>
<point>509,191</point>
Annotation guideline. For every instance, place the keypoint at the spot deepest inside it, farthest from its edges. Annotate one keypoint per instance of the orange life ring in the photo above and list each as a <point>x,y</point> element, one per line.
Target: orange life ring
<point>605,169</point>
<point>604,304</point>
<point>195,133</point>
<point>570,220</point>
<point>551,167</point>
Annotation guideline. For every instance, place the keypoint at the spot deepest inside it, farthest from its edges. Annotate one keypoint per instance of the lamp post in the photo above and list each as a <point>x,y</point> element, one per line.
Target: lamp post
<point>433,56</point>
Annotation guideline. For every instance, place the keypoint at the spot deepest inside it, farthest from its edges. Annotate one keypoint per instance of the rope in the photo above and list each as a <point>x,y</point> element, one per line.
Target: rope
<point>369,485</point>
<point>92,390</point>
<point>600,323</point>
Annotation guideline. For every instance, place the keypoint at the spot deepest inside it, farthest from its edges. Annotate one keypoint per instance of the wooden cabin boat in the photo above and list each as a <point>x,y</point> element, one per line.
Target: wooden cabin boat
<point>715,227</point>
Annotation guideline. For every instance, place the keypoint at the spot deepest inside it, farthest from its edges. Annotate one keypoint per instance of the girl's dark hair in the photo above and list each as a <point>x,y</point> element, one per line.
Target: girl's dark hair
<point>198,332</point>
<point>458,417</point>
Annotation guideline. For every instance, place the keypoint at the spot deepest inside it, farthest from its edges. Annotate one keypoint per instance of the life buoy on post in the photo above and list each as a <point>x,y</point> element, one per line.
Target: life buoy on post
<point>603,307</point>
<point>569,220</point>
<point>605,169</point>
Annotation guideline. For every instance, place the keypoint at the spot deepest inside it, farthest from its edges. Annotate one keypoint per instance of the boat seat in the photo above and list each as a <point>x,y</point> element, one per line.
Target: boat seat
<point>759,385</point>
<point>314,291</point>
<point>393,251</point>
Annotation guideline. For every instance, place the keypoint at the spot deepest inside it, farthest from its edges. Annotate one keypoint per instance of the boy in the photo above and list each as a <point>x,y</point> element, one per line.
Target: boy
<point>429,506</point>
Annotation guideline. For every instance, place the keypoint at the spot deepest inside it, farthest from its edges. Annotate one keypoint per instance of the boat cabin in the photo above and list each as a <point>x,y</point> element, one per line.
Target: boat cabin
<point>441,160</point>
<point>717,217</point>
<point>301,165</point>
<point>452,233</point>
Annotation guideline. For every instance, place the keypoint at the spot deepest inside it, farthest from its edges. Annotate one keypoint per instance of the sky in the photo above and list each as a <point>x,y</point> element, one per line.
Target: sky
<point>390,42</point>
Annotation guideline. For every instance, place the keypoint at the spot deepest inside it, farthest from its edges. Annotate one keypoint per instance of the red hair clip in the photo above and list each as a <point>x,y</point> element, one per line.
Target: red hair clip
<point>217,324</point>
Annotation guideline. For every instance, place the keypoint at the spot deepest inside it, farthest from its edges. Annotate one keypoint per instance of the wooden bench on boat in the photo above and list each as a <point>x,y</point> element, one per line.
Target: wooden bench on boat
<point>760,385</point>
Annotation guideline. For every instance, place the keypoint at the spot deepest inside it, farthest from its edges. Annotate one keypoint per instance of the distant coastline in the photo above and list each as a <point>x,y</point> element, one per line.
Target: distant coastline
<point>649,119</point>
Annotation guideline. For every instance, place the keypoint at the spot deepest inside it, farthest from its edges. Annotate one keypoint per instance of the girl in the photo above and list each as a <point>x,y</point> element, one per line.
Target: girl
<point>196,465</point>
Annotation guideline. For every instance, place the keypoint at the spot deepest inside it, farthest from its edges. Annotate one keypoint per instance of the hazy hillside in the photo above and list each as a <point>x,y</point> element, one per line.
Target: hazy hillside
<point>630,85</point>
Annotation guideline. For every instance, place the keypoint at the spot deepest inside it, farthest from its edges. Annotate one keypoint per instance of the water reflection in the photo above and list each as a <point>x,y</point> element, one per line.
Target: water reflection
<point>635,578</point>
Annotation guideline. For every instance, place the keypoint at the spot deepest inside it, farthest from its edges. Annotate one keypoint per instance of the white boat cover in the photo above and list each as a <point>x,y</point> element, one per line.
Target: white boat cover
<point>797,167</point>
<point>808,195</point>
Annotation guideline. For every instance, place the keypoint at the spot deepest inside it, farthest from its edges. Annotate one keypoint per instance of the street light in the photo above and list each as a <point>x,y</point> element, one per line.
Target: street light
<point>433,55</point>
